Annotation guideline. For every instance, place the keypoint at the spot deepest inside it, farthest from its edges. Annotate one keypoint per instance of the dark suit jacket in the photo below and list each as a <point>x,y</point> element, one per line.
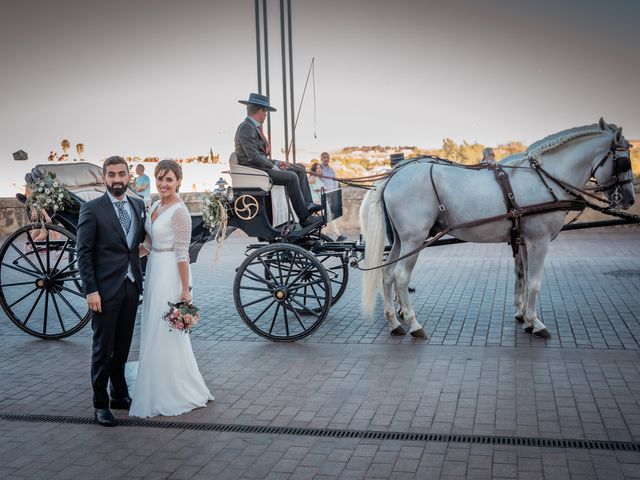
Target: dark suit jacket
<point>251,147</point>
<point>103,253</point>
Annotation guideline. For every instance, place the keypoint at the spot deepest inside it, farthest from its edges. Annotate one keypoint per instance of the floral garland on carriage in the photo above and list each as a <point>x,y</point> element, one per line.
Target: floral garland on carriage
<point>215,218</point>
<point>46,198</point>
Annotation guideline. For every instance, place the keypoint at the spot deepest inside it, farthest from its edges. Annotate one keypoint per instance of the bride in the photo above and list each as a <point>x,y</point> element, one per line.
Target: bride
<point>168,380</point>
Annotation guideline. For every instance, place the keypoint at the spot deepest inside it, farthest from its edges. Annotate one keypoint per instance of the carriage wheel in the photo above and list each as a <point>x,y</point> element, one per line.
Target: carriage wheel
<point>337,266</point>
<point>271,287</point>
<point>40,287</point>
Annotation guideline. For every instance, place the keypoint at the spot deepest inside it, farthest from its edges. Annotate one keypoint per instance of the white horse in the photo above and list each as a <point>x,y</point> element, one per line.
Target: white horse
<point>422,198</point>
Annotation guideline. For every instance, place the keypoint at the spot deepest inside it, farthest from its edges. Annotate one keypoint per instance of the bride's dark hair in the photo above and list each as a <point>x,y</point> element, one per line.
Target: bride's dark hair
<point>165,166</point>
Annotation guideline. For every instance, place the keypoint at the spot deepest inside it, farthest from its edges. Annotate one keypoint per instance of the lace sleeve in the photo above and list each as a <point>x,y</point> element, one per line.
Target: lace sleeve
<point>181,223</point>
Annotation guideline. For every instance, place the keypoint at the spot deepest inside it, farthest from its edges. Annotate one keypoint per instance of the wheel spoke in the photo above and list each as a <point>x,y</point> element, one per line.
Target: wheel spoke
<point>4,285</point>
<point>55,305</point>
<point>48,263</point>
<point>262,299</point>
<point>316,297</point>
<point>74,292</point>
<point>304,307</point>
<point>62,297</point>
<point>264,311</point>
<point>46,312</point>
<point>306,269</point>
<point>279,265</point>
<point>286,321</point>
<point>267,270</point>
<point>293,261</point>
<point>62,252</point>
<point>66,279</point>
<point>23,297</point>
<point>257,289</point>
<point>67,266</point>
<point>304,327</point>
<point>36,252</point>
<point>258,278</point>
<point>307,284</point>
<point>273,321</point>
<point>33,307</point>
<point>35,269</point>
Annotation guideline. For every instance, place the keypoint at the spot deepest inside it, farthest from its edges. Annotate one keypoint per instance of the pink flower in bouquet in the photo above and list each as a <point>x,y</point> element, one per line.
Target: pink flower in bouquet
<point>179,326</point>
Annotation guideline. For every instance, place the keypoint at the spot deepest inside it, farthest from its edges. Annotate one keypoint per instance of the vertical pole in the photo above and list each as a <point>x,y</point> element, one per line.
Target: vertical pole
<point>266,62</point>
<point>293,107</point>
<point>257,3</point>
<point>284,82</point>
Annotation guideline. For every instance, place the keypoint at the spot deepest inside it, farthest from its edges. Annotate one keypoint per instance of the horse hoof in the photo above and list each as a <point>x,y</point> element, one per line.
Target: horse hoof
<point>529,329</point>
<point>519,318</point>
<point>398,331</point>
<point>419,334</point>
<point>544,333</point>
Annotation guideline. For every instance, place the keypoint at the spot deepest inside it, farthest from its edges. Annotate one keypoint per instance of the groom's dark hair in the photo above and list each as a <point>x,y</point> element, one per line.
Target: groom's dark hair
<point>114,160</point>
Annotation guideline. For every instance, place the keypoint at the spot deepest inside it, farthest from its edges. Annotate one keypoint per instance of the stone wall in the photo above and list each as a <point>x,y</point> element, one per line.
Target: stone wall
<point>13,215</point>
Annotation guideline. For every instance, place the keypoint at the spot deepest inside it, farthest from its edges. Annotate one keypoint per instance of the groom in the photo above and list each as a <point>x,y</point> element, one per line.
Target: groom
<point>110,229</point>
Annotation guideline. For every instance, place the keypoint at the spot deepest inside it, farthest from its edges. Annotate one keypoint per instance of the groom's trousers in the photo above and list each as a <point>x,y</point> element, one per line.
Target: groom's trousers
<point>112,334</point>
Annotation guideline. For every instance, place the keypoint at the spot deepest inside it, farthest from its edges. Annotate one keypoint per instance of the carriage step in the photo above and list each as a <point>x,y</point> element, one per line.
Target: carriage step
<point>338,433</point>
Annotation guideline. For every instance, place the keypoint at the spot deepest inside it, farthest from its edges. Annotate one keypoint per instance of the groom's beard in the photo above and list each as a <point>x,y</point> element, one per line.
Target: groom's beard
<point>117,189</point>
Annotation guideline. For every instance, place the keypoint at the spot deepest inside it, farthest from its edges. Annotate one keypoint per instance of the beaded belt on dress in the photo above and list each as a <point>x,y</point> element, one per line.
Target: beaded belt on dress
<point>162,250</point>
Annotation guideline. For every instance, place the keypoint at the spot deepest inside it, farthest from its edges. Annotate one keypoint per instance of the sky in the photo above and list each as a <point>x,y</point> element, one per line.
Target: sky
<point>163,77</point>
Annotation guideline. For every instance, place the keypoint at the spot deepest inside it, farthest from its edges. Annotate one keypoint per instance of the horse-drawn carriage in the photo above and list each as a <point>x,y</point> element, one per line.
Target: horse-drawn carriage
<point>285,286</point>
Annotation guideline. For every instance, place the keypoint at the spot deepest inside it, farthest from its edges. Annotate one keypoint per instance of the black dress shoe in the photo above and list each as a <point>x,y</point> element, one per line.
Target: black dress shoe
<point>120,403</point>
<point>104,417</point>
<point>314,207</point>
<point>412,289</point>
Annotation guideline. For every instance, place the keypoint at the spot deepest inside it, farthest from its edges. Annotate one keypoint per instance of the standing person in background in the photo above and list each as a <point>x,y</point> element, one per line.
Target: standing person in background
<point>488,156</point>
<point>315,182</point>
<point>330,184</point>
<point>143,185</point>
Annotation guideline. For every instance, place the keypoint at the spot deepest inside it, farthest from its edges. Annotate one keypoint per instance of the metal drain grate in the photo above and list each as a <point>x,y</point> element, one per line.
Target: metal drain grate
<point>624,273</point>
<point>331,433</point>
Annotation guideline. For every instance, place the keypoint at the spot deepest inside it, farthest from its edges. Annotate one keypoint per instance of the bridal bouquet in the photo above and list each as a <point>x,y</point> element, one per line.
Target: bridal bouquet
<point>182,316</point>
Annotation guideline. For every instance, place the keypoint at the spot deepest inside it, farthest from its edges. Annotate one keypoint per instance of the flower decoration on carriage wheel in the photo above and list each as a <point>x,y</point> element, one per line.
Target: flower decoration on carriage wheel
<point>46,197</point>
<point>246,207</point>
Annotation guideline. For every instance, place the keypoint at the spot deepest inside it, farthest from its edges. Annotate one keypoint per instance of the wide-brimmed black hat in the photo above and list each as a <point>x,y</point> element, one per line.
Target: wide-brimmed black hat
<point>260,100</point>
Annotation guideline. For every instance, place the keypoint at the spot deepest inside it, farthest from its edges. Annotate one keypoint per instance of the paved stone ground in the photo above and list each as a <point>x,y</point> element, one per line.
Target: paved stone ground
<point>477,374</point>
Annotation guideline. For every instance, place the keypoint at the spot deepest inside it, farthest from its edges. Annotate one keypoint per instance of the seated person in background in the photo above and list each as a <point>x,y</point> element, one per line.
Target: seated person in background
<point>488,156</point>
<point>253,150</point>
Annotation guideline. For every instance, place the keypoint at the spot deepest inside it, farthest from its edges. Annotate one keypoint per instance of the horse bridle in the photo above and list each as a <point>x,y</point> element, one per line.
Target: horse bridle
<point>621,165</point>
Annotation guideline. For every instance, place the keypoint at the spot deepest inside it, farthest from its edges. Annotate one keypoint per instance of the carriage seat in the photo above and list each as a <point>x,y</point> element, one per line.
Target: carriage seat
<point>248,177</point>
<point>243,177</point>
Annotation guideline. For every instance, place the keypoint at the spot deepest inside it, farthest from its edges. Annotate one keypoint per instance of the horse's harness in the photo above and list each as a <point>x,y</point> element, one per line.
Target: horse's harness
<point>514,212</point>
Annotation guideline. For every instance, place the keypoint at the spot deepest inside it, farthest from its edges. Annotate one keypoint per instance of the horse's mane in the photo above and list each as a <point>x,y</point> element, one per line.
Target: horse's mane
<point>551,142</point>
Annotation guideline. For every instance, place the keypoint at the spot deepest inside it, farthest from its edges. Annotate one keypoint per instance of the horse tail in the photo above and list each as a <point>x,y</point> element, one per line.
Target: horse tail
<point>373,229</point>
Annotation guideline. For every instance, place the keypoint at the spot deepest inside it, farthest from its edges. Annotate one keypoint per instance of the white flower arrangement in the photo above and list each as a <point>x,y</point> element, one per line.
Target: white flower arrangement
<point>215,218</point>
<point>47,195</point>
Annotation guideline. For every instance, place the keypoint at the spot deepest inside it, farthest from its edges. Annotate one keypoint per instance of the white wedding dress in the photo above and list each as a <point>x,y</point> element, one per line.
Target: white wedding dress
<point>168,379</point>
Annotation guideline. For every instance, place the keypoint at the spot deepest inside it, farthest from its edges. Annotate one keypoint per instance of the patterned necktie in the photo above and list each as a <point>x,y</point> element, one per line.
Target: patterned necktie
<point>267,148</point>
<point>124,217</point>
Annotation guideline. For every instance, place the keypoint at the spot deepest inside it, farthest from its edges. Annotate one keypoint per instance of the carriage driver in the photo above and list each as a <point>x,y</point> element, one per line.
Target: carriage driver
<point>253,150</point>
